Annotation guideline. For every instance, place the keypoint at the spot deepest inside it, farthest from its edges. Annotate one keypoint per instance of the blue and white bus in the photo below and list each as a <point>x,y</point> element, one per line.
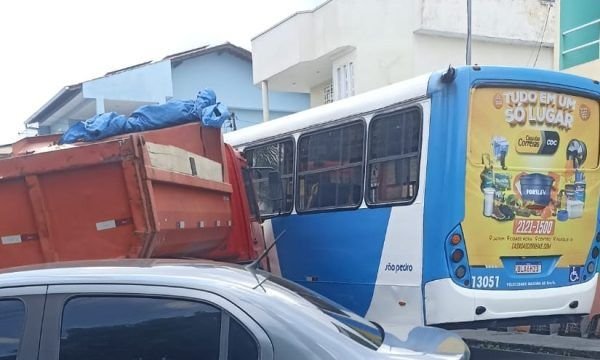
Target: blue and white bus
<point>458,198</point>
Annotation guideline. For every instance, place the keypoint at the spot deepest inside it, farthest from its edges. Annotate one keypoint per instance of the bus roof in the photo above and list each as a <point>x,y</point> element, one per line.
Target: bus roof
<point>376,99</point>
<point>399,92</point>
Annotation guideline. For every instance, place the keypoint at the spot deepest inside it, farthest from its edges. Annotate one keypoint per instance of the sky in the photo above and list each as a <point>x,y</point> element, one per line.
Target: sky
<point>46,45</point>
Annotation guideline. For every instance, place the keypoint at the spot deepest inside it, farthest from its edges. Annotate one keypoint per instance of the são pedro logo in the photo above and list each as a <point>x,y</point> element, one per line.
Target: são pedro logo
<point>537,107</point>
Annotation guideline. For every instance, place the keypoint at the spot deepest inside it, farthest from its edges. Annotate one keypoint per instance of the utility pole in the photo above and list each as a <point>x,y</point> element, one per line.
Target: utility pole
<point>468,60</point>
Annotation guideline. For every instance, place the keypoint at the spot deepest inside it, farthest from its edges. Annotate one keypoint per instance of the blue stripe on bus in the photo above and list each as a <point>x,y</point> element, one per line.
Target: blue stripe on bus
<point>340,252</point>
<point>445,179</point>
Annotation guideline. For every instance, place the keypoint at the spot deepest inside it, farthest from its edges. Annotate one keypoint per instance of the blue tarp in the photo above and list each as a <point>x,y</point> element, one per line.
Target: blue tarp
<point>150,117</point>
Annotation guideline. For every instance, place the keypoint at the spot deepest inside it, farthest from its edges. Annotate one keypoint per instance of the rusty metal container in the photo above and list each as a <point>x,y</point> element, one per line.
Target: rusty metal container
<point>162,193</point>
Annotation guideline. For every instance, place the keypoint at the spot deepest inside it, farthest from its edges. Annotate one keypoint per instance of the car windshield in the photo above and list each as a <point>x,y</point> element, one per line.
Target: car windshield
<point>347,323</point>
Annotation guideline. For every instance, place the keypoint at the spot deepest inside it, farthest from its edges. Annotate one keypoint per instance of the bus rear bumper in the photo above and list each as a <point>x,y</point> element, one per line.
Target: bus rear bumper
<point>446,302</point>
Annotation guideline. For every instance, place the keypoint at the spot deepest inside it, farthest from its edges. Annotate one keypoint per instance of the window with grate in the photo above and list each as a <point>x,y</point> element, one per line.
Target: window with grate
<point>393,157</point>
<point>330,168</point>
<point>279,156</point>
<point>328,93</point>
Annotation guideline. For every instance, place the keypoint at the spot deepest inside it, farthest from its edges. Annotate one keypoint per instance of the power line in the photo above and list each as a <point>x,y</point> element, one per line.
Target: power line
<point>542,36</point>
<point>247,121</point>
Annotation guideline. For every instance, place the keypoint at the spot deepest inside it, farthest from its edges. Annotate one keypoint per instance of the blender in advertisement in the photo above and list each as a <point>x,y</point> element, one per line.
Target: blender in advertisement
<point>575,190</point>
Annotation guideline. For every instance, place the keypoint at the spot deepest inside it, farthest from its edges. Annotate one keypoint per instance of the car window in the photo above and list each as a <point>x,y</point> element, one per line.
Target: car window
<point>126,328</point>
<point>12,321</point>
<point>346,322</point>
<point>242,345</point>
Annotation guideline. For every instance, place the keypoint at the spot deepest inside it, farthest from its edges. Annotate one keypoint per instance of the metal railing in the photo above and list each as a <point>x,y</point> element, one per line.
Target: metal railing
<point>578,28</point>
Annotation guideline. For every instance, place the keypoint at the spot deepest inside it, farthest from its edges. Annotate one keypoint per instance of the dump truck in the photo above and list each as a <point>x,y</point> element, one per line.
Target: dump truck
<point>177,192</point>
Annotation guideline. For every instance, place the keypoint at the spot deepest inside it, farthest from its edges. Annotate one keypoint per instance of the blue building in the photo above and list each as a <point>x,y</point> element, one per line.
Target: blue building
<point>225,68</point>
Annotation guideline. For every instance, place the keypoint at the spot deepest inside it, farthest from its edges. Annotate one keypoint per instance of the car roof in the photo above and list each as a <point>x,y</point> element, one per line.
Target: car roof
<point>289,313</point>
<point>200,274</point>
<point>280,311</point>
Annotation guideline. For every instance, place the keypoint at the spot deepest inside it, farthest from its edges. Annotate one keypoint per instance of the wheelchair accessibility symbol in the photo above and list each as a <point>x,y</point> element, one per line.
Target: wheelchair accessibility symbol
<point>574,273</point>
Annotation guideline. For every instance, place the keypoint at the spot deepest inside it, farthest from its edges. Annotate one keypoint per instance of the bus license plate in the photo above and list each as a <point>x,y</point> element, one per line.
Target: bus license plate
<point>528,268</point>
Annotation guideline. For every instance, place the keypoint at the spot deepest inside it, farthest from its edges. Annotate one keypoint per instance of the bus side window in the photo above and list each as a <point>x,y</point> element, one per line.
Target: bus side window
<point>330,168</point>
<point>279,156</point>
<point>393,157</point>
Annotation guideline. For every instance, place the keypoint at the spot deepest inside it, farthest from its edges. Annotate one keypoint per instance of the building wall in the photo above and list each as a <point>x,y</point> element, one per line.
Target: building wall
<point>391,40</point>
<point>297,45</point>
<point>228,75</point>
<point>251,117</point>
<point>58,127</point>
<point>246,117</point>
<point>452,51</point>
<point>123,91</point>
<point>589,69</point>
<point>317,94</point>
<point>377,30</point>
<point>332,31</point>
<point>409,38</point>
<point>508,20</point>
<point>231,78</point>
<point>148,83</point>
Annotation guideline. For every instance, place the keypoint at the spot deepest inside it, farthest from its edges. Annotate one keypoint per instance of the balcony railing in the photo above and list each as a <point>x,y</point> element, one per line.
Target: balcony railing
<point>578,30</point>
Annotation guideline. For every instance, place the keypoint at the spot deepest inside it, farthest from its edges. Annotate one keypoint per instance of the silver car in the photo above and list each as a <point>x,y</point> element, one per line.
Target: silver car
<point>162,310</point>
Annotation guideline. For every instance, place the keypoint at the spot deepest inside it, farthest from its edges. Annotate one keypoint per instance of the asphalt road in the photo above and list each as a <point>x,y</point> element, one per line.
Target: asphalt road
<point>485,354</point>
<point>489,345</point>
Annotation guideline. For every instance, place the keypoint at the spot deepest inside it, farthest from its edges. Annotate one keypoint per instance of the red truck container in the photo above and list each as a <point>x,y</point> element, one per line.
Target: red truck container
<point>174,192</point>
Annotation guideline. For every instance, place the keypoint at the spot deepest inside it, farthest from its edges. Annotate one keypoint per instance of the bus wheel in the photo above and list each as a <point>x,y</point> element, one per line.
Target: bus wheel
<point>595,327</point>
<point>585,326</point>
<point>590,327</point>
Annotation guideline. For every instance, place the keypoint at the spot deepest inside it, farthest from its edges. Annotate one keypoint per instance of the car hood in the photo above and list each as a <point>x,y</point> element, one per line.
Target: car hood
<point>405,342</point>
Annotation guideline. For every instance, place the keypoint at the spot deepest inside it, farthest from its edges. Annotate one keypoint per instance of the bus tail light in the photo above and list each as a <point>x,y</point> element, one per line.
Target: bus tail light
<point>457,255</point>
<point>591,267</point>
<point>595,252</point>
<point>455,239</point>
<point>460,272</point>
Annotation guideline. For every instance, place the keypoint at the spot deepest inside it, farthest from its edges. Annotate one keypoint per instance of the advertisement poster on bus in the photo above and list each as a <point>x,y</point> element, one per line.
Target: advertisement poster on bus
<point>532,177</point>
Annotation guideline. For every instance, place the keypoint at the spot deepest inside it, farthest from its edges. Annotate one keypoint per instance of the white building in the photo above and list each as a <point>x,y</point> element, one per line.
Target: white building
<point>345,47</point>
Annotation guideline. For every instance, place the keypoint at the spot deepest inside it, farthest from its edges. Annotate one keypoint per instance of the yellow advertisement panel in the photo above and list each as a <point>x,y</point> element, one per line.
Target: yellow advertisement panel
<point>532,175</point>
